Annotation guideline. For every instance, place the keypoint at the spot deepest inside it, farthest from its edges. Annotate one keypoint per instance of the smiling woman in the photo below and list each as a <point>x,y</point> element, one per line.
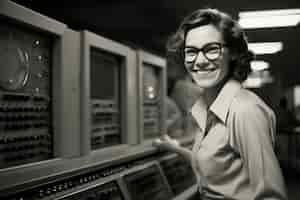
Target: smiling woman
<point>231,120</point>
<point>211,67</point>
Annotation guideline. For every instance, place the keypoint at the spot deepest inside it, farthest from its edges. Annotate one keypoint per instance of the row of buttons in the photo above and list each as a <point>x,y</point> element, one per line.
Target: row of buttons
<point>105,117</point>
<point>23,126</point>
<point>9,140</point>
<point>7,108</point>
<point>26,156</point>
<point>13,97</point>
<point>25,147</point>
<point>77,181</point>
<point>23,117</point>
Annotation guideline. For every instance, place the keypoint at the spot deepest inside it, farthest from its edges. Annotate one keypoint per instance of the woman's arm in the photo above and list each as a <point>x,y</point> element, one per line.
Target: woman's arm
<point>254,127</point>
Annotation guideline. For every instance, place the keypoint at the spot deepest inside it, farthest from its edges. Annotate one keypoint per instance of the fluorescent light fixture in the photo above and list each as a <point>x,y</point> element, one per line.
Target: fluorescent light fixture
<point>254,82</point>
<point>268,13</point>
<point>265,47</point>
<point>258,79</point>
<point>269,22</point>
<point>296,92</point>
<point>269,18</point>
<point>259,65</point>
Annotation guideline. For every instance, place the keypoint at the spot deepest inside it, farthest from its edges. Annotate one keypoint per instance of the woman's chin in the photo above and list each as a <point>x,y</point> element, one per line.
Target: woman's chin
<point>205,84</point>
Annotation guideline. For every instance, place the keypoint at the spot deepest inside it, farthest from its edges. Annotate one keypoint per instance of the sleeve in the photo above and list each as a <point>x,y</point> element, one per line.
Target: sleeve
<point>254,127</point>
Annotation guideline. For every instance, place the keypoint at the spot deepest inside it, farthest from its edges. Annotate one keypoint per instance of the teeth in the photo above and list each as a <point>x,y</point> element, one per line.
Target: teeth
<point>203,70</point>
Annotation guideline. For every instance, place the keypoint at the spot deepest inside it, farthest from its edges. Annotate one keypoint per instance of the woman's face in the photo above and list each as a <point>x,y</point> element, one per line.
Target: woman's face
<point>206,57</point>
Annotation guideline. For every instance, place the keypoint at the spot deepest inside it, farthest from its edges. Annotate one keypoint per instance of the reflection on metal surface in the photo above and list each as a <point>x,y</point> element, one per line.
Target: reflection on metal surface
<point>14,68</point>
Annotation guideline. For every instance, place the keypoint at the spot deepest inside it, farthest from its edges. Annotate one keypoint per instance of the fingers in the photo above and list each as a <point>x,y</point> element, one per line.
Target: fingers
<point>157,142</point>
<point>166,137</point>
<point>170,140</point>
<point>176,142</point>
<point>166,143</point>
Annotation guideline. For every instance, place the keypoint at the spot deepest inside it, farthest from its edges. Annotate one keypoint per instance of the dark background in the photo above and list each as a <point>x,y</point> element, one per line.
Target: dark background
<point>147,24</point>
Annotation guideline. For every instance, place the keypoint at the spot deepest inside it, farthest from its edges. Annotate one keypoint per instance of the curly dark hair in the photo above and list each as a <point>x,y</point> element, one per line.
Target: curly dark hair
<point>233,35</point>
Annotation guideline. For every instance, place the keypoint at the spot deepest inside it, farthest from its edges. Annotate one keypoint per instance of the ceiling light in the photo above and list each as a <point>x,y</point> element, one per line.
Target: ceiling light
<point>296,95</point>
<point>255,82</point>
<point>258,79</point>
<point>269,22</point>
<point>269,18</point>
<point>267,13</point>
<point>265,47</point>
<point>259,65</point>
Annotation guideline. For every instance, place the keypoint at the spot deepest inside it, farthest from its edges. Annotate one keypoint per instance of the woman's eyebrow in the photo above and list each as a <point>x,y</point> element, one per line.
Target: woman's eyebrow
<point>192,46</point>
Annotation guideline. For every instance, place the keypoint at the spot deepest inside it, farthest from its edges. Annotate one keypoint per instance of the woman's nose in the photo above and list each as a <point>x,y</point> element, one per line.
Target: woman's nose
<point>200,58</point>
<point>200,62</point>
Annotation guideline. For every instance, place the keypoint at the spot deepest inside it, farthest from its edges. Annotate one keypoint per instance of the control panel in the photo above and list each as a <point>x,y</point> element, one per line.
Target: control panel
<point>75,184</point>
<point>105,102</point>
<point>148,184</point>
<point>147,178</point>
<point>25,95</point>
<point>107,191</point>
<point>179,173</point>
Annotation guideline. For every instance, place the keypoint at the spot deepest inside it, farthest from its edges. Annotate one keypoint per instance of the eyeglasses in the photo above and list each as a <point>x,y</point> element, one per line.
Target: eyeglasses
<point>211,51</point>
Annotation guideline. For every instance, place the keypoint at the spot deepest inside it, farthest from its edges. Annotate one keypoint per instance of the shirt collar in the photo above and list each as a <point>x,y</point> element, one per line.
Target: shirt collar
<point>219,107</point>
<point>221,104</point>
<point>199,112</point>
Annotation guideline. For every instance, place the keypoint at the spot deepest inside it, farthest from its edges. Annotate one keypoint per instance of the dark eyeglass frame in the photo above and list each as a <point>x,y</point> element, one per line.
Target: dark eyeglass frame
<point>205,49</point>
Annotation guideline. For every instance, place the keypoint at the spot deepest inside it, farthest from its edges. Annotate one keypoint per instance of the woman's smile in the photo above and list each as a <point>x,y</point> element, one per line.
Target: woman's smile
<point>203,71</point>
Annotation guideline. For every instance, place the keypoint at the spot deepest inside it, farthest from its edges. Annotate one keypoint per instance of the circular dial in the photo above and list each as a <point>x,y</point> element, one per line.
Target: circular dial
<point>14,68</point>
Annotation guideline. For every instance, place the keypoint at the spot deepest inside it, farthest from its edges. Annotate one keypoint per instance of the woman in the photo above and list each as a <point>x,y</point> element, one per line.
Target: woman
<point>233,153</point>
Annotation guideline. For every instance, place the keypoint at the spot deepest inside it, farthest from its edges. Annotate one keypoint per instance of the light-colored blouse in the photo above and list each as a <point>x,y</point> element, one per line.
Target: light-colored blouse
<point>235,159</point>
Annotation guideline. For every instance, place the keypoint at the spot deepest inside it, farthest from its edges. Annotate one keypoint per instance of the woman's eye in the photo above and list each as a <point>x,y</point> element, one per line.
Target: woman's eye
<point>212,49</point>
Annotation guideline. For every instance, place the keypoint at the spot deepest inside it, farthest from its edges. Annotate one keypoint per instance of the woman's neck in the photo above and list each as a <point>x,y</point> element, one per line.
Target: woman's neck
<point>210,94</point>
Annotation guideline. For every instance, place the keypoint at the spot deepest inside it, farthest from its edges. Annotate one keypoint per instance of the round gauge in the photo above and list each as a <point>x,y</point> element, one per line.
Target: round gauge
<point>14,68</point>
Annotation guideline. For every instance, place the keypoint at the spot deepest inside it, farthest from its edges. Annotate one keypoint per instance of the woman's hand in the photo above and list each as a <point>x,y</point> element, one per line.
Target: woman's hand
<point>169,144</point>
<point>166,143</point>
